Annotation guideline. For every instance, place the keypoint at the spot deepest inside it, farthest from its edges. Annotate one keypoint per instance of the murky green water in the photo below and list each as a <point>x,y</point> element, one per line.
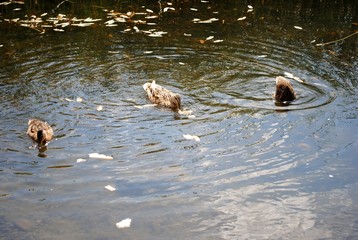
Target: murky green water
<point>259,171</point>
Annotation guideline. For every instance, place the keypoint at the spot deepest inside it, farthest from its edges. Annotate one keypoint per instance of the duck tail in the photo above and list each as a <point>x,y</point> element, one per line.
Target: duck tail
<point>40,137</point>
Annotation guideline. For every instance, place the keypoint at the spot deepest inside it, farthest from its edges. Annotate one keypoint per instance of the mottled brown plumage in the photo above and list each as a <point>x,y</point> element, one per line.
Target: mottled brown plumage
<point>40,132</point>
<point>161,96</point>
<point>284,90</point>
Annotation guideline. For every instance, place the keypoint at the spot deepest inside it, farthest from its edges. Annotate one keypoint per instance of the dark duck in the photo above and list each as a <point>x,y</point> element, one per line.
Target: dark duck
<point>284,90</point>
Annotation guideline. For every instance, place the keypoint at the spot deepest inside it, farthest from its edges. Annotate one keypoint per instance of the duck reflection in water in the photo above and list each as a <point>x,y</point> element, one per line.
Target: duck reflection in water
<point>40,132</point>
<point>162,97</point>
<point>284,92</point>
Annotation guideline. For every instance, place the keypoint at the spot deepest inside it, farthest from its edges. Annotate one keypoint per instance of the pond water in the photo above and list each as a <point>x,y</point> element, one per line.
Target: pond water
<point>259,171</point>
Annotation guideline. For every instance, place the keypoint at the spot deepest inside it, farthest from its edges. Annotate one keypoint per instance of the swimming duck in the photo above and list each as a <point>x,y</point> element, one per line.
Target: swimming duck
<point>284,90</point>
<point>40,132</point>
<point>161,96</point>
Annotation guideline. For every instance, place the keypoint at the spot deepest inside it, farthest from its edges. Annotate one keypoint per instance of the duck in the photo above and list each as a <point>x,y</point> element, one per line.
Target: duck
<point>40,132</point>
<point>284,90</point>
<point>162,96</point>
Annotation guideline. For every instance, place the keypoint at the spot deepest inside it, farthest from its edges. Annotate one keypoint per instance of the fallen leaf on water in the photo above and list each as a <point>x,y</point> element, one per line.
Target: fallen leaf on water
<point>242,18</point>
<point>194,9</point>
<point>126,223</point>
<point>44,14</point>
<point>181,63</point>
<point>209,38</point>
<point>149,10</point>
<point>99,108</point>
<point>191,137</point>
<point>80,160</point>
<point>249,6</point>
<point>218,41</point>
<point>297,27</point>
<point>209,20</point>
<point>187,34</point>
<point>58,30</point>
<point>168,8</point>
<point>79,99</point>
<point>82,24</point>
<point>100,156</point>
<point>16,9</point>
<point>110,188</point>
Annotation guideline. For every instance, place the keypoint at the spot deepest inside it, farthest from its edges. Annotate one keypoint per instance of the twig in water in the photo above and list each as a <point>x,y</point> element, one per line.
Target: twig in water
<point>58,5</point>
<point>341,39</point>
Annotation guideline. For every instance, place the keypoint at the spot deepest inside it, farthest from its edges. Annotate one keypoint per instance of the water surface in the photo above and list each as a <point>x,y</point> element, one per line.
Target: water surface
<point>259,171</point>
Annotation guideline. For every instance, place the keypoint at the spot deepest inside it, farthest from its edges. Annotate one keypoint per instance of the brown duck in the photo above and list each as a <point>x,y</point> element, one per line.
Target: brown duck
<point>284,90</point>
<point>40,132</point>
<point>161,96</point>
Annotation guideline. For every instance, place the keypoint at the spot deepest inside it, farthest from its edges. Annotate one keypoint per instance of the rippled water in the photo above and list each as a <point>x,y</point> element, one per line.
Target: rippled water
<point>260,171</point>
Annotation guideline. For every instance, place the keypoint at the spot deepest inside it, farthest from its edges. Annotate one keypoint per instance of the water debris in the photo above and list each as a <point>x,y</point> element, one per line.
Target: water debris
<point>218,41</point>
<point>79,99</point>
<point>250,7</point>
<point>242,18</point>
<point>99,108</point>
<point>58,30</point>
<point>44,14</point>
<point>331,176</point>
<point>100,156</point>
<point>125,223</point>
<point>262,56</point>
<point>166,9</point>
<point>145,106</point>
<point>211,20</point>
<point>148,52</point>
<point>149,10</point>
<point>209,38</point>
<point>194,9</point>
<point>298,27</point>
<point>81,160</point>
<point>16,9</point>
<point>82,24</point>
<point>290,75</point>
<point>110,188</point>
<point>191,137</point>
<point>187,34</point>
<point>185,112</point>
<point>181,63</point>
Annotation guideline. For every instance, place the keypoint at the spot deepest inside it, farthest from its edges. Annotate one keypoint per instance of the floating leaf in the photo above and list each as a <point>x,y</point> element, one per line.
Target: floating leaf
<point>100,156</point>
<point>44,14</point>
<point>110,188</point>
<point>242,18</point>
<point>209,38</point>
<point>191,137</point>
<point>297,27</point>
<point>16,9</point>
<point>58,30</point>
<point>166,9</point>
<point>80,160</point>
<point>99,108</point>
<point>209,20</point>
<point>250,7</point>
<point>187,34</point>
<point>79,99</point>
<point>218,41</point>
<point>126,223</point>
<point>149,10</point>
<point>194,9</point>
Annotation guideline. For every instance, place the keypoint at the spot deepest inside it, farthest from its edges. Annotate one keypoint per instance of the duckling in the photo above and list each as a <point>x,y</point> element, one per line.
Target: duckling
<point>284,90</point>
<point>40,132</point>
<point>161,96</point>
